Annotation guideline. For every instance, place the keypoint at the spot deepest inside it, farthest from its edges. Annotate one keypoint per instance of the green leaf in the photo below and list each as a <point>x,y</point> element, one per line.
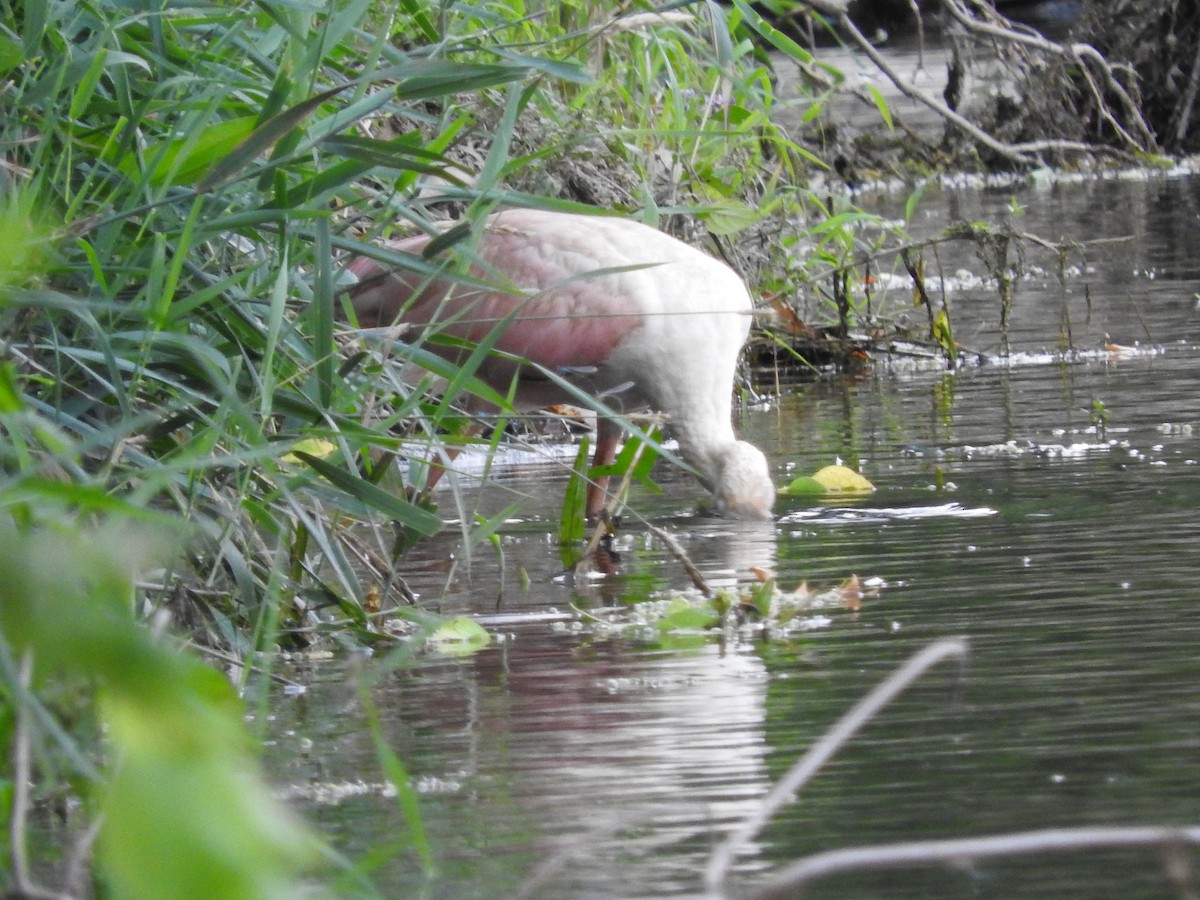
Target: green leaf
<point>11,55</point>
<point>563,71</point>
<point>881,104</point>
<point>682,616</point>
<point>399,153</point>
<point>437,78</point>
<point>830,480</point>
<point>322,313</point>
<point>725,216</point>
<point>841,479</point>
<point>572,527</point>
<point>407,514</point>
<point>407,798</point>
<point>637,457</point>
<point>187,807</point>
<point>804,485</point>
<point>10,395</point>
<point>773,35</point>
<point>78,497</point>
<point>184,812</point>
<point>762,597</point>
<point>943,334</point>
<point>910,203</point>
<point>184,160</point>
<point>260,140</point>
<point>460,636</point>
<point>415,9</point>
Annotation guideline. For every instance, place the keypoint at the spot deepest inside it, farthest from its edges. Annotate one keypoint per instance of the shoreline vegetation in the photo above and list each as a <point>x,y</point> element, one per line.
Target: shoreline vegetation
<point>198,459</point>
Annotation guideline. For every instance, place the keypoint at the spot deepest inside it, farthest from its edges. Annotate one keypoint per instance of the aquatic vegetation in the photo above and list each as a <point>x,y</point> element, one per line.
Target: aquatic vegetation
<point>759,610</point>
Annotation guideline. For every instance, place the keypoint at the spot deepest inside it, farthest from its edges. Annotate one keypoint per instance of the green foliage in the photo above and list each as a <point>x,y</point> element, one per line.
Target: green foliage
<point>180,185</point>
<point>184,812</point>
<point>636,459</point>
<point>1100,415</point>
<point>26,243</point>
<point>572,527</point>
<point>459,636</point>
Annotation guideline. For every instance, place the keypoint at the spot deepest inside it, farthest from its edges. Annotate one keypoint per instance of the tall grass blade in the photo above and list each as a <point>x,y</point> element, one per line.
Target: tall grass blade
<point>401,511</point>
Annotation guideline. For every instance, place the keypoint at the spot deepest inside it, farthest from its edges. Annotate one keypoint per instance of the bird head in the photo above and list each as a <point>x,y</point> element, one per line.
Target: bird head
<point>743,488</point>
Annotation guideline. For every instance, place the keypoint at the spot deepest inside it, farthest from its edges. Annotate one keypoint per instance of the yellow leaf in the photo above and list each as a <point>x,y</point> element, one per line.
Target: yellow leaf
<point>841,480</point>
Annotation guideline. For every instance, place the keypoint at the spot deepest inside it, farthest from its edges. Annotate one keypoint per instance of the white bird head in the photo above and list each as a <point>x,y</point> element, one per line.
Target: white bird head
<point>743,486</point>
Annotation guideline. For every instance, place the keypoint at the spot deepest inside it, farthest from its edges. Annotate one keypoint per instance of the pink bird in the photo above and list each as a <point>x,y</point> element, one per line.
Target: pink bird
<point>625,313</point>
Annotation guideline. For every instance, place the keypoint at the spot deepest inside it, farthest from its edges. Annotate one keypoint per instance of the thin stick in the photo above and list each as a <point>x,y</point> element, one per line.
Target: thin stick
<point>79,862</point>
<point>22,884</point>
<point>830,742</point>
<point>1077,53</point>
<point>678,552</point>
<point>955,851</point>
<point>20,800</point>
<point>1023,152</point>
<point>1188,101</point>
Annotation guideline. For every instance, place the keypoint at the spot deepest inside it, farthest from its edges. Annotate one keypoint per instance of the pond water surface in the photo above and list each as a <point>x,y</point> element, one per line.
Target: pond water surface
<point>558,763</point>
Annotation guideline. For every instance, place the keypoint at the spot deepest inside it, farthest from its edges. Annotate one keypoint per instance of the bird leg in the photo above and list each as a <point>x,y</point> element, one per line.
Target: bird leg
<point>608,434</point>
<point>441,462</point>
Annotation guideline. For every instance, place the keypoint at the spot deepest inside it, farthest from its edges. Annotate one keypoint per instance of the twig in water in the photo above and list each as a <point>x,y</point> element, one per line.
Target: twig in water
<point>822,751</point>
<point>955,851</point>
<point>678,552</point>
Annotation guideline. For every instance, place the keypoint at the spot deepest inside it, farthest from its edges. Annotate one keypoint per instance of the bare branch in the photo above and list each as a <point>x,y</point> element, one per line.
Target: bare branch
<point>684,560</point>
<point>1024,152</point>
<point>791,880</point>
<point>823,750</point>
<point>22,883</point>
<point>1187,104</point>
<point>1085,56</point>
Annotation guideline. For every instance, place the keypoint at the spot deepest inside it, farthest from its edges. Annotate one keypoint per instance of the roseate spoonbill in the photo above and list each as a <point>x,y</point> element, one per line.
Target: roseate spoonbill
<point>624,312</point>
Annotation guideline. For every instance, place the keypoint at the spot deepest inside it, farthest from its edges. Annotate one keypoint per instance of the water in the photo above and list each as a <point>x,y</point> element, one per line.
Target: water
<point>562,764</point>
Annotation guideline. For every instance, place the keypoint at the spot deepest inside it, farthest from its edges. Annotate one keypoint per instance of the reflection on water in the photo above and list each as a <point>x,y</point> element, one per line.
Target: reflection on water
<point>582,767</point>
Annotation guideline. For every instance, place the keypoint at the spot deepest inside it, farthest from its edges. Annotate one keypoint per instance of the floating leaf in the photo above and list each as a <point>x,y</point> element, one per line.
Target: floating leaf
<point>830,480</point>
<point>842,479</point>
<point>460,636</point>
<point>684,616</point>
<point>803,485</point>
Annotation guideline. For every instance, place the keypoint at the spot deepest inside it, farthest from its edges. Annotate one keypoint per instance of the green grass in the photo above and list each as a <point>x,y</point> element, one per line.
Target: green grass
<point>179,185</point>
